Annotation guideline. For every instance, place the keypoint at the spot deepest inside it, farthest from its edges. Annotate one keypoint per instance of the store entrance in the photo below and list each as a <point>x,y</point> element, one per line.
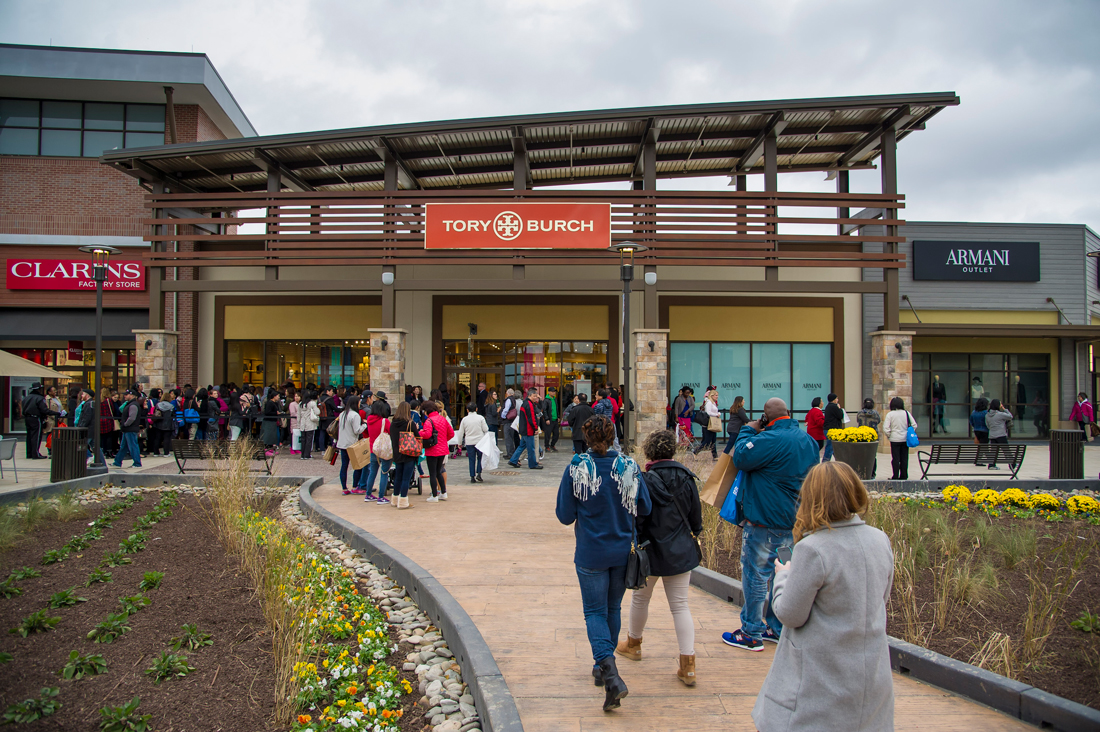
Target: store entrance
<point>462,388</point>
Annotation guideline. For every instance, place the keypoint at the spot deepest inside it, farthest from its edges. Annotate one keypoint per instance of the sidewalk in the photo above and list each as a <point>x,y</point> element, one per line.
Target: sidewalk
<point>499,549</point>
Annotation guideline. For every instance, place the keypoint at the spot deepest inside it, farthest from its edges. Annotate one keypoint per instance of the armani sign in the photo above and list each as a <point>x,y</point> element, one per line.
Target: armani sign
<point>981,261</point>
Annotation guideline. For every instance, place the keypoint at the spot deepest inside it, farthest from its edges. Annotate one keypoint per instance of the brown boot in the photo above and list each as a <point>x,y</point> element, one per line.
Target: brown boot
<point>630,648</point>
<point>686,673</point>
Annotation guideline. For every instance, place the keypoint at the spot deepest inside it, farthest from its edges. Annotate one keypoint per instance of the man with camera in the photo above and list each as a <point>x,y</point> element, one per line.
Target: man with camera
<point>773,456</point>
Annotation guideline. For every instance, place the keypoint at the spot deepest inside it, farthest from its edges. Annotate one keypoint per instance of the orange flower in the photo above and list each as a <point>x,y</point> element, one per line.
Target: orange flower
<point>353,689</point>
<point>304,719</point>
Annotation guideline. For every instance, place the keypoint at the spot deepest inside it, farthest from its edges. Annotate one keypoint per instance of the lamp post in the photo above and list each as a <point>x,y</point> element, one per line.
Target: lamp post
<point>626,250</point>
<point>100,255</point>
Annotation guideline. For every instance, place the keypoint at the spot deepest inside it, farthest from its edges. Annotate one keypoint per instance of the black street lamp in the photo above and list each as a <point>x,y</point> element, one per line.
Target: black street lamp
<point>626,250</point>
<point>100,255</point>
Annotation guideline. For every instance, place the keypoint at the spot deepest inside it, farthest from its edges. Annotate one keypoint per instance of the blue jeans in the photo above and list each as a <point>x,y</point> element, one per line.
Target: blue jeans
<point>345,461</point>
<point>402,476</point>
<point>526,442</point>
<point>602,593</point>
<point>129,446</point>
<point>377,468</point>
<point>828,451</point>
<point>474,456</point>
<point>758,552</point>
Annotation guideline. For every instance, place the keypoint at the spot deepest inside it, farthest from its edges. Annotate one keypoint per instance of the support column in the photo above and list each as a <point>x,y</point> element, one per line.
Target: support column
<point>388,315</point>
<point>842,187</point>
<point>274,185</point>
<point>387,365</point>
<point>891,371</point>
<point>650,381</point>
<point>771,184</point>
<point>156,358</point>
<point>889,160</point>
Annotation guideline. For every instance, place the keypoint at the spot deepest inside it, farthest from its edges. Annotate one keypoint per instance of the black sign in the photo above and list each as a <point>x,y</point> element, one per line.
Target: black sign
<point>981,261</point>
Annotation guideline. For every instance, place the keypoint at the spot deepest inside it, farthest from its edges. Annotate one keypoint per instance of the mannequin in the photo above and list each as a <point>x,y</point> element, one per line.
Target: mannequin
<point>977,391</point>
<point>1021,397</point>
<point>939,397</point>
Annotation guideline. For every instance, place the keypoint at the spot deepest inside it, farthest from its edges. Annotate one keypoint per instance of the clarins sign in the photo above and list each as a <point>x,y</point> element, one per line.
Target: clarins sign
<point>517,225</point>
<point>983,261</point>
<point>67,274</point>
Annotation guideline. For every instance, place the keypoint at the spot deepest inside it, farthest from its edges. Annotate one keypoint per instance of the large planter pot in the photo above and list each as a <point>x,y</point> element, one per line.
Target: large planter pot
<point>860,455</point>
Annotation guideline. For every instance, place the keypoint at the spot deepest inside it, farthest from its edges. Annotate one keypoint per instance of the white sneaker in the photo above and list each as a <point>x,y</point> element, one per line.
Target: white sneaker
<point>432,499</point>
<point>443,496</point>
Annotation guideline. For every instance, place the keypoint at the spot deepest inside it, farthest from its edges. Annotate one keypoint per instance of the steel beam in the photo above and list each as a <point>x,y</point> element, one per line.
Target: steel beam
<point>773,128</point>
<point>871,140</point>
<point>262,160</point>
<point>521,168</point>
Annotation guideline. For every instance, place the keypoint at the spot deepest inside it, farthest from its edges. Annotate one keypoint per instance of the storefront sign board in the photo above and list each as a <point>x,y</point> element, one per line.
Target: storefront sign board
<point>517,225</point>
<point>70,274</point>
<point>76,351</point>
<point>981,261</point>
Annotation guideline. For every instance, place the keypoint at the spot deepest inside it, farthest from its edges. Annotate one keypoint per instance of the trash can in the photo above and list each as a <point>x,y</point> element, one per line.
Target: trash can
<point>1067,455</point>
<point>69,454</point>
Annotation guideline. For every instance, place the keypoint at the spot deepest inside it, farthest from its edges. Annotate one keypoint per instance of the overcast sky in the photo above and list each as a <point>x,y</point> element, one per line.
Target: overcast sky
<point>1023,145</point>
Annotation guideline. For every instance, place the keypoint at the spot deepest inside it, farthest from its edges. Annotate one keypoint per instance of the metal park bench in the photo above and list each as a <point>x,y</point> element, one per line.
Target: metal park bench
<point>184,450</point>
<point>972,455</point>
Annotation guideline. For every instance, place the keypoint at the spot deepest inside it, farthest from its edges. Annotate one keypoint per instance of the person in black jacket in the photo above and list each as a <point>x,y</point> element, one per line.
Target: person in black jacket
<point>670,528</point>
<point>35,412</point>
<point>132,422</point>
<point>580,414</point>
<point>834,420</point>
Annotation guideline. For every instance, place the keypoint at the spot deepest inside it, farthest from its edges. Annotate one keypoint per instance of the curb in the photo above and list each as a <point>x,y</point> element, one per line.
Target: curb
<point>134,480</point>
<point>1014,698</point>
<point>494,702</point>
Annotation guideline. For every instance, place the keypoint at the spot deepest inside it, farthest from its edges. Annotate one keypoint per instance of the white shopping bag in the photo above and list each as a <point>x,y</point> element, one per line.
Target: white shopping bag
<point>515,423</point>
<point>847,419</point>
<point>296,440</point>
<point>490,453</point>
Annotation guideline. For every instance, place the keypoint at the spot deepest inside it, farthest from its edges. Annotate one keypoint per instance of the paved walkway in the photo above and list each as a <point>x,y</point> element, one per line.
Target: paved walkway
<point>500,551</point>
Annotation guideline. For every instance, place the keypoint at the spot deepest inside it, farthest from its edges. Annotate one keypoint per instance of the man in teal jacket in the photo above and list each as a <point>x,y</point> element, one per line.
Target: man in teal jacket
<point>773,456</point>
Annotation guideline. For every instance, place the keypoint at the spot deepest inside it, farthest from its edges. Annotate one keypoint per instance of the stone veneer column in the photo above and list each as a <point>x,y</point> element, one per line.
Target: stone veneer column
<point>156,364</point>
<point>650,382</point>
<point>891,372</point>
<point>387,367</point>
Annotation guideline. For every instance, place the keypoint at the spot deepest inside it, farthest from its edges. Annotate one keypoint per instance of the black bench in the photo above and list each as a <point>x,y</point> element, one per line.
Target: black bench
<point>975,455</point>
<point>184,450</point>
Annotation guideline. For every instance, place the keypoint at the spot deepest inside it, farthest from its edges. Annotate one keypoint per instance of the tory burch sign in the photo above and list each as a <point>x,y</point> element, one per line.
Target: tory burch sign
<point>517,225</point>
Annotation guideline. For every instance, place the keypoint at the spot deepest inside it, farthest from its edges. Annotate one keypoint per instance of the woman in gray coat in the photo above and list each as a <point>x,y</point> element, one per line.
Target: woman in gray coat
<point>832,667</point>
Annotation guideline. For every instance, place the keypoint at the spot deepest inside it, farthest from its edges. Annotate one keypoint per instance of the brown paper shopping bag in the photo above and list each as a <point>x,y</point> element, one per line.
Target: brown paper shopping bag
<point>718,483</point>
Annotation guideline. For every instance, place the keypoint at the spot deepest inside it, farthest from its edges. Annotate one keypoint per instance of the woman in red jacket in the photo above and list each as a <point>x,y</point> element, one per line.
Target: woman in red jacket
<point>439,426</point>
<point>815,422</point>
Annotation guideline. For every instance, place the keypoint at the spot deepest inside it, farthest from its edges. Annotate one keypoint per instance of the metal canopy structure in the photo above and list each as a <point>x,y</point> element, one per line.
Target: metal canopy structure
<point>523,152</point>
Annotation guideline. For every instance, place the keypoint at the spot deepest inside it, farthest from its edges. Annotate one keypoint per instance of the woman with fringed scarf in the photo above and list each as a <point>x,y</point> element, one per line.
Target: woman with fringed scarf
<point>602,492</point>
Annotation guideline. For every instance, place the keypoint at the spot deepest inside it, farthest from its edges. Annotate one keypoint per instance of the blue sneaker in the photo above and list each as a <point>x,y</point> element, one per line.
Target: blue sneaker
<point>740,639</point>
<point>770,636</point>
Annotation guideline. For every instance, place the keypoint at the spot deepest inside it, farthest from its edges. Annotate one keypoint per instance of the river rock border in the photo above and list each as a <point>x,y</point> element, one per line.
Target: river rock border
<point>1014,698</point>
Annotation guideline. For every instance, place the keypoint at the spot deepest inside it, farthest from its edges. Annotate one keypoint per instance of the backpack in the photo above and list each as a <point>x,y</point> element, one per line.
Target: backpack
<point>323,408</point>
<point>190,414</point>
<point>434,439</point>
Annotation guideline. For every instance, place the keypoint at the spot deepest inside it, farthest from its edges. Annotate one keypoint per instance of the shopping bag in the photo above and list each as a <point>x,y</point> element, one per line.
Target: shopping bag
<point>515,424</point>
<point>714,424</point>
<point>490,453</point>
<point>731,507</point>
<point>719,481</point>
<point>911,438</point>
<point>330,455</point>
<point>359,454</point>
<point>296,440</point>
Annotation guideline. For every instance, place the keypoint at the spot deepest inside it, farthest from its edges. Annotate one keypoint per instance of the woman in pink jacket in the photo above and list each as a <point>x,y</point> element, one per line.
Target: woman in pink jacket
<point>439,427</point>
<point>1082,413</point>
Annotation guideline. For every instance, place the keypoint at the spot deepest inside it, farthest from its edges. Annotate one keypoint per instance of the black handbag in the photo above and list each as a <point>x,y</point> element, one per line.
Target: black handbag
<point>637,564</point>
<point>700,417</point>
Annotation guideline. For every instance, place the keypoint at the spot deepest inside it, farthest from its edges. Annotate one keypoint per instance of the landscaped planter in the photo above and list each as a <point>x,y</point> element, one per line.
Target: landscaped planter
<point>860,455</point>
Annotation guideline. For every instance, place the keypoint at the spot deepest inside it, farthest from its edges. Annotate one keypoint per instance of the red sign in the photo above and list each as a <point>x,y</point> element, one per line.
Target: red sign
<point>517,225</point>
<point>69,274</point>
<point>76,350</point>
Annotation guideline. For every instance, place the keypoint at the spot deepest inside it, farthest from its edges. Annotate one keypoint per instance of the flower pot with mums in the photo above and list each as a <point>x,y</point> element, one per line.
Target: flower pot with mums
<point>857,447</point>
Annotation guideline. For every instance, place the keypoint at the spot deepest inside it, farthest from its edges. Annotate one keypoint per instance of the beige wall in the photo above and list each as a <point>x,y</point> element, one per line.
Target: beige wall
<point>983,317</point>
<point>283,322</point>
<point>527,322</point>
<point>747,323</point>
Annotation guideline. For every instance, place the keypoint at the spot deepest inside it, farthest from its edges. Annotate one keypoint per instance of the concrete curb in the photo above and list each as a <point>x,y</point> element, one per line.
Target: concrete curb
<point>494,702</point>
<point>1014,698</point>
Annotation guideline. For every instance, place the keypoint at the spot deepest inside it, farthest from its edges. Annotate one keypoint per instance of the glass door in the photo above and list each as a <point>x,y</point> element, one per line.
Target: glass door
<point>462,389</point>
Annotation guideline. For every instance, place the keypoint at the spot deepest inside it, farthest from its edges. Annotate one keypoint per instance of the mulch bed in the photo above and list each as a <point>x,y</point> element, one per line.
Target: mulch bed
<point>232,687</point>
<point>1071,666</point>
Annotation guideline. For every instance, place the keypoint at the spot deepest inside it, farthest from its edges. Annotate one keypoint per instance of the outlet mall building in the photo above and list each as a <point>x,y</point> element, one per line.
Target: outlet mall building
<point>450,252</point>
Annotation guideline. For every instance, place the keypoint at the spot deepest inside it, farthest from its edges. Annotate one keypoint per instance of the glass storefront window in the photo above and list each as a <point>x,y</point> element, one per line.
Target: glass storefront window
<point>118,366</point>
<point>947,385</point>
<point>262,363</point>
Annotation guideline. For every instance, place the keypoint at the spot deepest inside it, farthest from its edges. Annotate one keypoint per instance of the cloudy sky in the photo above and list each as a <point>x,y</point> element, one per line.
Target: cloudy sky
<point>1023,146</point>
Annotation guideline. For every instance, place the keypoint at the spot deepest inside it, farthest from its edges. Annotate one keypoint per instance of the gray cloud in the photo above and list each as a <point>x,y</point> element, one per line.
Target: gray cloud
<point>1021,147</point>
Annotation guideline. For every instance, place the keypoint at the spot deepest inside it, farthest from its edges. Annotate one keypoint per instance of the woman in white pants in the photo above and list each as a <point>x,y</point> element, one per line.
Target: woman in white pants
<point>670,528</point>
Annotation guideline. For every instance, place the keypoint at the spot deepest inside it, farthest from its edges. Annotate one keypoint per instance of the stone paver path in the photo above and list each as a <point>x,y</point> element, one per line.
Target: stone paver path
<point>500,551</point>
